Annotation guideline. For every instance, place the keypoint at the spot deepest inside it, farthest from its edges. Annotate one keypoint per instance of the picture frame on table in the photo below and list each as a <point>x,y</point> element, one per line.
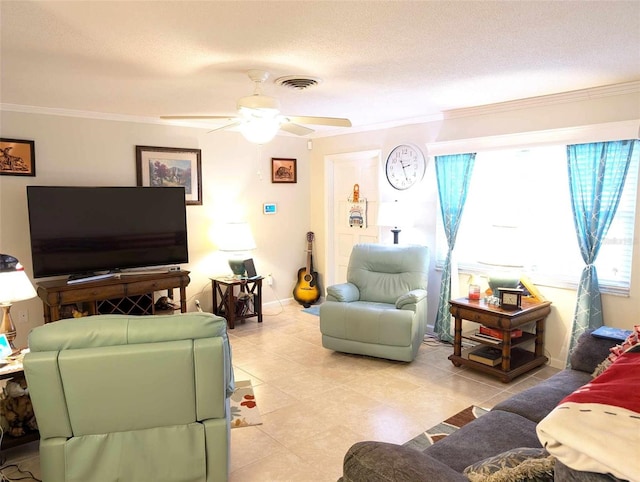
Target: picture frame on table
<point>284,170</point>
<point>17,157</point>
<point>171,166</point>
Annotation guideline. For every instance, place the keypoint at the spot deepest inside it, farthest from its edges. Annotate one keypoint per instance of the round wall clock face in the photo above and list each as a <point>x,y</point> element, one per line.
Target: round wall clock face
<point>405,166</point>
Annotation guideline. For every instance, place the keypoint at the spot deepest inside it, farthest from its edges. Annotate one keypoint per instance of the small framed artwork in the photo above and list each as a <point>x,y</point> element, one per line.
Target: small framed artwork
<point>283,170</point>
<point>171,166</point>
<point>17,157</point>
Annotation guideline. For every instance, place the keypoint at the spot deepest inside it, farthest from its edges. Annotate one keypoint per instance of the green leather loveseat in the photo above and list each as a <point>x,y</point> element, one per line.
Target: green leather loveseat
<point>126,398</point>
<point>381,310</point>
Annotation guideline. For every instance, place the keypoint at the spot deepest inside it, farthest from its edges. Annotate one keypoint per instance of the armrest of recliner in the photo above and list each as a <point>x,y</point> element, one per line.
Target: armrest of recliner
<point>345,292</point>
<point>413,297</point>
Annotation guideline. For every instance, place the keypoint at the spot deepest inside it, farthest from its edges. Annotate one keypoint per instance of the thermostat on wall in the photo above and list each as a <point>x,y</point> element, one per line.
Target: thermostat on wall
<point>269,208</point>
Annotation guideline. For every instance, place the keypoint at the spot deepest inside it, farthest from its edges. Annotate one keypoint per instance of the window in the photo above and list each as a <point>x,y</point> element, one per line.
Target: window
<point>528,190</point>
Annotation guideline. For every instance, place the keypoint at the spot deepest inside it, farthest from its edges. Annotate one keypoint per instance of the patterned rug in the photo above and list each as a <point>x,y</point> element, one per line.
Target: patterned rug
<point>244,410</point>
<point>450,425</point>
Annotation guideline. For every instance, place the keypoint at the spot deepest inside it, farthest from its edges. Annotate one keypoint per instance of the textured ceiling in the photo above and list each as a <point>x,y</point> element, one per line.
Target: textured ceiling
<point>380,61</point>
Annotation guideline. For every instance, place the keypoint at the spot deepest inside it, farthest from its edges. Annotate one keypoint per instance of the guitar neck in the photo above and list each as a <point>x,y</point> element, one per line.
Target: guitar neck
<point>309,257</point>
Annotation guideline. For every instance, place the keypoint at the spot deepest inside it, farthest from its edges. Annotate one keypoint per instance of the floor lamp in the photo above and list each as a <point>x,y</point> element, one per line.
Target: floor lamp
<point>392,213</point>
<point>14,286</point>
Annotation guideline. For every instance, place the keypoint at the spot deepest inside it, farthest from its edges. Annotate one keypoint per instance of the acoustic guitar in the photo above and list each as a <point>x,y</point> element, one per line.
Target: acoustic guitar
<point>306,291</point>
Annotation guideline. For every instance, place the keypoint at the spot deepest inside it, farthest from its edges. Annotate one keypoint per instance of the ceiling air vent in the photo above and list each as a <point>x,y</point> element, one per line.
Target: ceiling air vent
<point>298,82</point>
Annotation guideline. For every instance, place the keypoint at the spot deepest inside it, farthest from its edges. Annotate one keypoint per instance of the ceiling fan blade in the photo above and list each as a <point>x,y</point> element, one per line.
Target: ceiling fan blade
<point>322,121</point>
<point>195,117</point>
<point>296,129</point>
<point>226,126</point>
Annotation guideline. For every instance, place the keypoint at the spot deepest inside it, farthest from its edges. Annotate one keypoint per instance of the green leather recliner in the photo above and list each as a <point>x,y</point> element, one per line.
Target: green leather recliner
<point>381,310</point>
<point>126,398</point>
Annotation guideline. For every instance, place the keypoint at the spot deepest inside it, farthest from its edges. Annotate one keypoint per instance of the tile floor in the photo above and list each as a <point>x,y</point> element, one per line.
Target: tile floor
<point>316,403</point>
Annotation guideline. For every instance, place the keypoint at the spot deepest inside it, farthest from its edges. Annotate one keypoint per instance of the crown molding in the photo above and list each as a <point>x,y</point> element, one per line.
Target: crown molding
<point>546,100</point>
<point>569,135</point>
<point>531,102</point>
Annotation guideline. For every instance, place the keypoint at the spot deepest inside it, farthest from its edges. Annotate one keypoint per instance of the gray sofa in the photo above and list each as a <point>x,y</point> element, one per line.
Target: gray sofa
<point>510,424</point>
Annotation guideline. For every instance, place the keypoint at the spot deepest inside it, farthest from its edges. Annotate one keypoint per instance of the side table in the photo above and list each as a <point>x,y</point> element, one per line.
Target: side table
<point>236,306</point>
<point>515,360</point>
<point>12,370</point>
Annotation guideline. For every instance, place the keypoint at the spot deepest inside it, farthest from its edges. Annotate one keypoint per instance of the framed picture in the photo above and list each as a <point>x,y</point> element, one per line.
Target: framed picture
<point>171,166</point>
<point>283,170</point>
<point>17,157</point>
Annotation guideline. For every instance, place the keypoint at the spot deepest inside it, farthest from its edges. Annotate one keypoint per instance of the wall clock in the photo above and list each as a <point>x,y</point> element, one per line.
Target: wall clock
<point>405,166</point>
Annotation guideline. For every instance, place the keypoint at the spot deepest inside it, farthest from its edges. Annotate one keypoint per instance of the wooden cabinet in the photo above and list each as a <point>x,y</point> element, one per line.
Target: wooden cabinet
<point>128,294</point>
<point>516,359</point>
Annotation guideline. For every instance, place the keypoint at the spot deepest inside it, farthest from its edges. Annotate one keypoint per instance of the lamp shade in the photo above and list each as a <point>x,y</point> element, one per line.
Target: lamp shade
<point>14,282</point>
<point>236,237</point>
<point>503,254</point>
<point>393,213</point>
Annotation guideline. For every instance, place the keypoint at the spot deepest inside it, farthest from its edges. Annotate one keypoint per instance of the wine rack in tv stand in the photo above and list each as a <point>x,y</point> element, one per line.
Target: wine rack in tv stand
<point>132,294</point>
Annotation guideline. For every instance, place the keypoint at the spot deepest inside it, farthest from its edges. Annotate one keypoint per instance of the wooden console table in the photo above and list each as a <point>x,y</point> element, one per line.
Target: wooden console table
<point>515,360</point>
<point>127,294</point>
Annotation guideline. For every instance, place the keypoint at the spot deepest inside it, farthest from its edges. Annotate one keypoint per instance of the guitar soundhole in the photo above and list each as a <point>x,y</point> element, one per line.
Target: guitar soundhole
<point>308,277</point>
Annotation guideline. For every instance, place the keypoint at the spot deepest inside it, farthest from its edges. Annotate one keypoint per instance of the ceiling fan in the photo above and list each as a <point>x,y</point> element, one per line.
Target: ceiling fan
<point>259,117</point>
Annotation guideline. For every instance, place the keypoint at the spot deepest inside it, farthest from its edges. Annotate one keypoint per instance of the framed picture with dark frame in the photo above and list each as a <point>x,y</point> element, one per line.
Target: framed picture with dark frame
<point>283,170</point>
<point>17,157</point>
<point>171,166</point>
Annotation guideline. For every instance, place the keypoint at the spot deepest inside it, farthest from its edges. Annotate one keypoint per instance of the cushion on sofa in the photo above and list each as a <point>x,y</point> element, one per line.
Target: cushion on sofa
<point>536,402</point>
<point>489,435</point>
<point>518,465</point>
<point>589,352</point>
<point>562,473</point>
<point>380,461</point>
<point>597,428</point>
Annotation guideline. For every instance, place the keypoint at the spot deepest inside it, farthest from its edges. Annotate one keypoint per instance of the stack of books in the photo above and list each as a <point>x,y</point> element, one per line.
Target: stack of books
<point>487,355</point>
<point>493,335</point>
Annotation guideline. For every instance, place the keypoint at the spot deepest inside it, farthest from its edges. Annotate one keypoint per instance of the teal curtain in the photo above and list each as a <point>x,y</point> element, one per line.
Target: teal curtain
<point>597,172</point>
<point>453,173</point>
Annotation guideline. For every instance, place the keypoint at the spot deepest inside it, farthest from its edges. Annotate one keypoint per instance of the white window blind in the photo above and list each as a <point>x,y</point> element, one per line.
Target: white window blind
<point>528,189</point>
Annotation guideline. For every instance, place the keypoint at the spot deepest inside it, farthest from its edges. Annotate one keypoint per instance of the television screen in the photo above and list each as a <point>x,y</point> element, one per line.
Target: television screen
<point>83,230</point>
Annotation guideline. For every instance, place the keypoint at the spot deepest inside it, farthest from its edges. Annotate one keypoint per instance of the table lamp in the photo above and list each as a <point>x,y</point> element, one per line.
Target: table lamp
<point>14,286</point>
<point>504,254</point>
<point>237,239</point>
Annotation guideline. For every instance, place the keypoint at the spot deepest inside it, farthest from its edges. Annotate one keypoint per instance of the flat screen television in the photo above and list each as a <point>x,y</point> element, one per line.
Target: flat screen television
<point>87,230</point>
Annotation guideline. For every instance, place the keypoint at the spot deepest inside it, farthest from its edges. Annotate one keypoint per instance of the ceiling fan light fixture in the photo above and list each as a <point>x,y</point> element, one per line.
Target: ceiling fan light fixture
<point>259,102</point>
<point>260,130</point>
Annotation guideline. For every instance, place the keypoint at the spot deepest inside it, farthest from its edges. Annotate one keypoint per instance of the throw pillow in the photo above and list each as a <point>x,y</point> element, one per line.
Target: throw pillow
<point>516,465</point>
<point>615,352</point>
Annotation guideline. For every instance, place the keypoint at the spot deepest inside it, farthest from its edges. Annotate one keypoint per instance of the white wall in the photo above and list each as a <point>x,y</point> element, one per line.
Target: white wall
<point>236,181</point>
<point>558,112</point>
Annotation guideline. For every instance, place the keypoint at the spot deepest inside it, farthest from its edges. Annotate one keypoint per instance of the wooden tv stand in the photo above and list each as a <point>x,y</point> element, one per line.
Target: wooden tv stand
<point>128,294</point>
